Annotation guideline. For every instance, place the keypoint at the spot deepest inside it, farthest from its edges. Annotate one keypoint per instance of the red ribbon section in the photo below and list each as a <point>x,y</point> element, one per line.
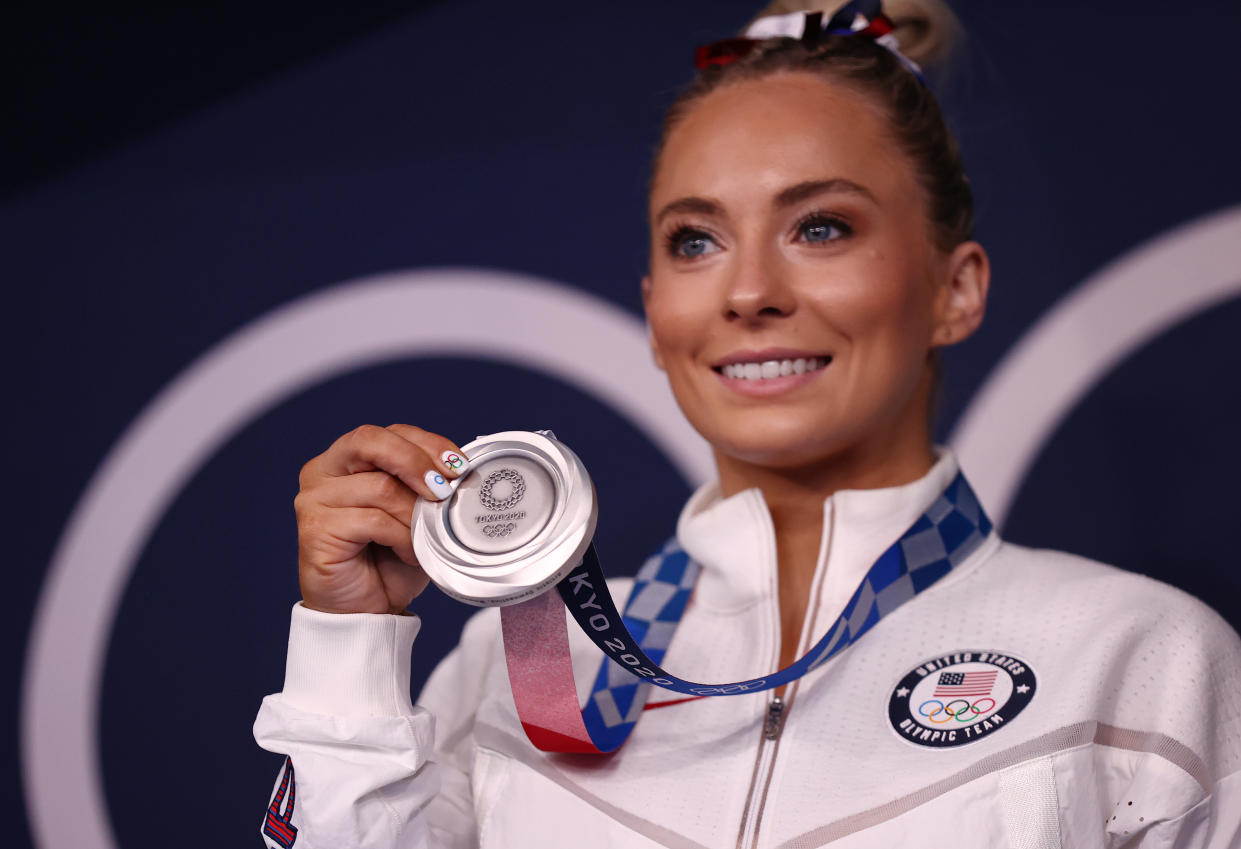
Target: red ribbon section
<point>540,671</point>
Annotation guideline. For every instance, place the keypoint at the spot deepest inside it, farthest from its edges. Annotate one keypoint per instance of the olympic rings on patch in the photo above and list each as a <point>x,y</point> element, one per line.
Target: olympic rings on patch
<point>983,710</point>
<point>968,713</point>
<point>960,711</point>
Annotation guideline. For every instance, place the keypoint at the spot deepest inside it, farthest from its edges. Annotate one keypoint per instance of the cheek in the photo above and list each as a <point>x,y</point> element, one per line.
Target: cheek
<point>885,317</point>
<point>674,318</point>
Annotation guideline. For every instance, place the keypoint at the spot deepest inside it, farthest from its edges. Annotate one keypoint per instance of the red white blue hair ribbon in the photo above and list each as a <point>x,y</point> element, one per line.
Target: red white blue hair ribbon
<point>860,17</point>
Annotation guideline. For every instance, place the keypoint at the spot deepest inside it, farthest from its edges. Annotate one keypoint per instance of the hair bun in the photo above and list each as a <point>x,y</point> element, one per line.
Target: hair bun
<point>926,30</point>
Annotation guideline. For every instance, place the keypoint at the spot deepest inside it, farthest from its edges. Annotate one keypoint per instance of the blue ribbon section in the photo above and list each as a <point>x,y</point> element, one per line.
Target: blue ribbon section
<point>951,529</point>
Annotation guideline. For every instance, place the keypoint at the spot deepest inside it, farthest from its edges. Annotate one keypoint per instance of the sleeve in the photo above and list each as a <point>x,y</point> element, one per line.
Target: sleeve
<point>1202,689</point>
<point>1223,679</point>
<point>1220,676</point>
<point>453,694</point>
<point>359,769</point>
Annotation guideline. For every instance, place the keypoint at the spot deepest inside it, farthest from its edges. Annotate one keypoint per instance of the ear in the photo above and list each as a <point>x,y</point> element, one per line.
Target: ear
<point>646,299</point>
<point>962,299</point>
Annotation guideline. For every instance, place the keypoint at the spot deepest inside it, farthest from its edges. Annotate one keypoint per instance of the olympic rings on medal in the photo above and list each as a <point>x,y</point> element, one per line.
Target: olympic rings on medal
<point>968,713</point>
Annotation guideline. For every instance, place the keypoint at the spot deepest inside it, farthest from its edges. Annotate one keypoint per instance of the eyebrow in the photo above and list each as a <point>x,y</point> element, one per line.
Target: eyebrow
<point>785,198</point>
<point>800,192</point>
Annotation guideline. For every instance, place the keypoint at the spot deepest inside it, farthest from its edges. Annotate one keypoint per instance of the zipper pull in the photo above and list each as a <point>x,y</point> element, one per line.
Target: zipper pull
<point>775,719</point>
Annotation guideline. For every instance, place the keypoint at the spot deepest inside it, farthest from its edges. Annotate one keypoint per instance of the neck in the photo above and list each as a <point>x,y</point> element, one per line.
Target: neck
<point>795,494</point>
<point>795,499</point>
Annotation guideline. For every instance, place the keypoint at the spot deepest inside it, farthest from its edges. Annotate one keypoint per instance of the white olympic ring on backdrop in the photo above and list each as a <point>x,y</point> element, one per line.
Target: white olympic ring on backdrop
<point>306,342</point>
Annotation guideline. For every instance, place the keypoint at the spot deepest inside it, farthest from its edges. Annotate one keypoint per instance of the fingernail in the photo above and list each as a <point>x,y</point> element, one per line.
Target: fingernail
<point>437,484</point>
<point>455,461</point>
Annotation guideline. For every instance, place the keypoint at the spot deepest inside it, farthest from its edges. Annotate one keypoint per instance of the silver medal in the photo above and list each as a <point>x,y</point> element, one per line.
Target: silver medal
<point>515,525</point>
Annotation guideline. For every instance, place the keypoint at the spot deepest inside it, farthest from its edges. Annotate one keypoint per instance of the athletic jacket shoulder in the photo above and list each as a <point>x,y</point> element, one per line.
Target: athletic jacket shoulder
<point>1110,594</point>
<point>1148,657</point>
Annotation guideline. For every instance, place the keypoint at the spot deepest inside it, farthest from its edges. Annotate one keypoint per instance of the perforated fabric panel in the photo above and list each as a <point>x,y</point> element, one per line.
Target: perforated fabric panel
<point>1031,805</point>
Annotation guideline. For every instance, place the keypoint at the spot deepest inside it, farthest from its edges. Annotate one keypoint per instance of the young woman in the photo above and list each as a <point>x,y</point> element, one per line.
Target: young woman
<point>810,228</point>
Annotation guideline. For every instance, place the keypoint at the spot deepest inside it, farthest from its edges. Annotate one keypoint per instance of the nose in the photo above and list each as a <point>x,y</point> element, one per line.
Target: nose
<point>757,288</point>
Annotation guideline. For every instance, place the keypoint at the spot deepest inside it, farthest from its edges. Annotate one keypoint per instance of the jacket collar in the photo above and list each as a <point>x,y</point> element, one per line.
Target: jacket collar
<point>734,541</point>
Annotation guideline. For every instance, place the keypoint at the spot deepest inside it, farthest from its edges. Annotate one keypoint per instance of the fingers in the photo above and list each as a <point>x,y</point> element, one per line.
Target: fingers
<point>354,509</point>
<point>447,456</point>
<point>351,528</point>
<point>369,489</point>
<point>423,461</point>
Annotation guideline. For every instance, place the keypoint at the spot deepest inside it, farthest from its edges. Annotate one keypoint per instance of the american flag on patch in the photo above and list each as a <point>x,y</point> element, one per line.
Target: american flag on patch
<point>966,684</point>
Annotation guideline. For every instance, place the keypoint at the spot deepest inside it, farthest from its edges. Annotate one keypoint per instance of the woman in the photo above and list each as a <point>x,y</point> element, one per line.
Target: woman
<point>811,251</point>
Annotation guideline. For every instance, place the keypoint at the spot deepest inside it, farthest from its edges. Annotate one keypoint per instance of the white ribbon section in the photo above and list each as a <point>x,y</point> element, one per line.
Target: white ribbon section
<point>790,25</point>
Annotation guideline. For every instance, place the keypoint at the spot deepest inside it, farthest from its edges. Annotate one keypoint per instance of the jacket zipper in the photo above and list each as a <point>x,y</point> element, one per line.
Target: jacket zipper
<point>773,721</point>
<point>773,724</point>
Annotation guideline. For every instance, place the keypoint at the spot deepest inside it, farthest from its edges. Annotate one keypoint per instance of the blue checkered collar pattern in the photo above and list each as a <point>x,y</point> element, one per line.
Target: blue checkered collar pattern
<point>944,534</point>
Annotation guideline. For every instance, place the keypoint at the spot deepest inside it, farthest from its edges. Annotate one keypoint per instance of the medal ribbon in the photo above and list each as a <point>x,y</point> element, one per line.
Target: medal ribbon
<point>536,640</point>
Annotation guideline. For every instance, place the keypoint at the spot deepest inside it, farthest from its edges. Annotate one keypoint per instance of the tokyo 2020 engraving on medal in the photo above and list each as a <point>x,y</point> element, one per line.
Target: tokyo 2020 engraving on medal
<point>960,697</point>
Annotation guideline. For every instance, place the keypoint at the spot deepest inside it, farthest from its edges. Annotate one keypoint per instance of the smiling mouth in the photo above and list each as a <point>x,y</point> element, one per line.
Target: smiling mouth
<point>769,369</point>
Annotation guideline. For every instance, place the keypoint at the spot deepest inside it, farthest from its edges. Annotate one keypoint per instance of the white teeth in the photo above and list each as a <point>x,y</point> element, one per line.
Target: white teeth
<point>773,368</point>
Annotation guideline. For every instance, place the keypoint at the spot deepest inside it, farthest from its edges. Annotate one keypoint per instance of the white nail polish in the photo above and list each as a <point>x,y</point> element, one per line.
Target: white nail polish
<point>455,461</point>
<point>437,484</point>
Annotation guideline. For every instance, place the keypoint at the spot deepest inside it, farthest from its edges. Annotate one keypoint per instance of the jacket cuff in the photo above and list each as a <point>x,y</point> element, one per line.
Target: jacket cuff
<point>349,664</point>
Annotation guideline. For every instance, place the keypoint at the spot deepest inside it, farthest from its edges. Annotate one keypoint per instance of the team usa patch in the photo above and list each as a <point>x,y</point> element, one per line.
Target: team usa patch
<point>278,824</point>
<point>960,697</point>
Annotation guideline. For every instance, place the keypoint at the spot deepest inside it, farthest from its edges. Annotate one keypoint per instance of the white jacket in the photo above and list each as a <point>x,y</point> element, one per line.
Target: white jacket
<point>1129,733</point>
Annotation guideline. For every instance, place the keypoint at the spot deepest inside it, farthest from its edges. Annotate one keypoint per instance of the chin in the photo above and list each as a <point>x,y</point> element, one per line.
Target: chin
<point>776,442</point>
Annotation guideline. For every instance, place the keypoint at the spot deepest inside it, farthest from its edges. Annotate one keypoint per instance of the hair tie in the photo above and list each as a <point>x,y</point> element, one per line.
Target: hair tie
<point>859,17</point>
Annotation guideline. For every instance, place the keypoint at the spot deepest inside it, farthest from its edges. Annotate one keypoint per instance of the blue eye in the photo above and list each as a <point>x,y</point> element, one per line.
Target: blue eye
<point>818,228</point>
<point>690,243</point>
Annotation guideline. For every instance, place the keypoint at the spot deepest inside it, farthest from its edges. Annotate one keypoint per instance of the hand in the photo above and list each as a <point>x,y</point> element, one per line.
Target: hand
<point>354,508</point>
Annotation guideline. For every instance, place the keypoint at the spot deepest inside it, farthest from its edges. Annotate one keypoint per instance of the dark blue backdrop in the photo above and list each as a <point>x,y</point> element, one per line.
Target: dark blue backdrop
<point>492,135</point>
